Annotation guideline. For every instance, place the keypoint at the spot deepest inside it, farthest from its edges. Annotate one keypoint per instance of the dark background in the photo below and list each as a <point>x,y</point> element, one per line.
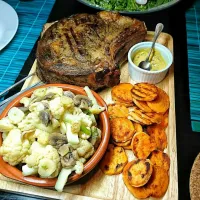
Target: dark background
<point>173,18</point>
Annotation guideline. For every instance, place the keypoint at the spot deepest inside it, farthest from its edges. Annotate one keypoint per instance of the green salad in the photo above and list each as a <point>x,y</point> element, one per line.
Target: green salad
<point>127,5</point>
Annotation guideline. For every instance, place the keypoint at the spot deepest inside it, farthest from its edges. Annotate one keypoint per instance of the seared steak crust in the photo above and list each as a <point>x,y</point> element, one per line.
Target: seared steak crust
<point>87,49</point>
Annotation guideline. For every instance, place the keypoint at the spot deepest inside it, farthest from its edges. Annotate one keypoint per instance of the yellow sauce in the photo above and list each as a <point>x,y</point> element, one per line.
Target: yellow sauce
<point>156,59</point>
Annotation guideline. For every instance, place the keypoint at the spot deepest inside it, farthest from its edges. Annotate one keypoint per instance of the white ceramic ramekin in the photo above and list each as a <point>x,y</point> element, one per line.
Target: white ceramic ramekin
<point>140,75</point>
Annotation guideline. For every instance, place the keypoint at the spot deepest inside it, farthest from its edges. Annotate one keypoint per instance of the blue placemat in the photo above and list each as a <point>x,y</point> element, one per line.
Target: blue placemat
<point>193,43</point>
<point>32,14</point>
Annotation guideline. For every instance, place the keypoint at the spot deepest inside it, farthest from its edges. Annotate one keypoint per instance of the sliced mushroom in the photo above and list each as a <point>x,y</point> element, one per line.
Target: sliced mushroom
<point>35,99</point>
<point>79,98</point>
<point>69,94</point>
<point>64,149</point>
<point>45,103</point>
<point>45,117</point>
<point>57,140</point>
<point>68,160</point>
<point>75,155</point>
<point>49,96</point>
<point>84,104</point>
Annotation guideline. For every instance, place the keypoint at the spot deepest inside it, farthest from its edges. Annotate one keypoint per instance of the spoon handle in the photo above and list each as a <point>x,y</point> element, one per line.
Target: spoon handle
<point>158,30</point>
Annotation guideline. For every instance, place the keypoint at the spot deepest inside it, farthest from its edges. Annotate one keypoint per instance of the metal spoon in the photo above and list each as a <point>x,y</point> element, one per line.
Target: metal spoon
<point>146,64</point>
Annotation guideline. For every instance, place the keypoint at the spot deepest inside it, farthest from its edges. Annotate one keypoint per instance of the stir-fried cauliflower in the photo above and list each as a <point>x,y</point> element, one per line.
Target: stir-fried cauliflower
<point>52,134</point>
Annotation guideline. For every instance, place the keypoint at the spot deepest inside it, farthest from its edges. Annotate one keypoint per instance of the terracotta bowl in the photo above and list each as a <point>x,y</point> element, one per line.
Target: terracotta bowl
<point>14,173</point>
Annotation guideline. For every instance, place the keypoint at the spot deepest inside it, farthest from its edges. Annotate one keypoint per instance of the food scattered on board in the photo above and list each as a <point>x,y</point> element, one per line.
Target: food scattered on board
<point>86,49</point>
<point>52,134</point>
<point>143,133</point>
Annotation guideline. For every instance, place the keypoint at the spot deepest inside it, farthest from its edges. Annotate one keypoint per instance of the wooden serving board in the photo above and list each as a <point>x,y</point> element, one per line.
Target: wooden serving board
<point>97,185</point>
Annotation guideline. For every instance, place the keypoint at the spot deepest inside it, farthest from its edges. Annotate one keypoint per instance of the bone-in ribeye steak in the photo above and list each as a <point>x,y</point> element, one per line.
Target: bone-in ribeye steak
<point>87,49</point>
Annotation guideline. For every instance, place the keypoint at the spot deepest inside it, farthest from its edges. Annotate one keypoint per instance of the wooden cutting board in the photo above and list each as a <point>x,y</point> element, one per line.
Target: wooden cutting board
<point>96,185</point>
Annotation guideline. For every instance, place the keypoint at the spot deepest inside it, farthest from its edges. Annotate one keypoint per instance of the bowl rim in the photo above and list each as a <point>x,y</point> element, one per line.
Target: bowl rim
<point>151,10</point>
<point>14,173</point>
<point>148,44</point>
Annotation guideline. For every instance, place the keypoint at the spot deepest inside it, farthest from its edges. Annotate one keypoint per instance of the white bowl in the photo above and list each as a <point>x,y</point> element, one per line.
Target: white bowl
<point>140,75</point>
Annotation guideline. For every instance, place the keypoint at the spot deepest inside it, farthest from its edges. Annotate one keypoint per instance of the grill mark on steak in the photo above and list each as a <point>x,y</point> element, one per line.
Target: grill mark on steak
<point>69,42</point>
<point>86,49</point>
<point>78,43</point>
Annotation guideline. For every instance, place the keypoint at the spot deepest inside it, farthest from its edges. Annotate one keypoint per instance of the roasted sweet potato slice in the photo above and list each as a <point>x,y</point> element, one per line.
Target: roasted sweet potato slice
<point>136,115</point>
<point>165,120</point>
<point>158,135</point>
<point>138,192</point>
<point>138,127</point>
<point>142,105</point>
<point>122,92</point>
<point>144,91</point>
<point>142,145</point>
<point>117,110</point>
<point>155,117</point>
<point>146,117</point>
<point>118,101</point>
<point>158,183</point>
<point>122,129</point>
<point>160,159</point>
<point>114,160</point>
<point>139,172</point>
<point>122,144</point>
<point>161,103</point>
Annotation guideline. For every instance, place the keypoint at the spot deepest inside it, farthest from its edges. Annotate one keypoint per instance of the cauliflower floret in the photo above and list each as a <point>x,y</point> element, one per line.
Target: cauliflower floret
<point>29,122</point>
<point>42,136</point>
<point>77,111</point>
<point>6,125</point>
<point>45,159</point>
<point>86,149</point>
<point>55,90</point>
<point>40,92</point>
<point>78,167</point>
<point>14,149</point>
<point>26,101</point>
<point>67,102</point>
<point>86,119</point>
<point>4,135</point>
<point>55,123</point>
<point>96,109</point>
<point>42,127</point>
<point>56,107</point>
<point>36,107</point>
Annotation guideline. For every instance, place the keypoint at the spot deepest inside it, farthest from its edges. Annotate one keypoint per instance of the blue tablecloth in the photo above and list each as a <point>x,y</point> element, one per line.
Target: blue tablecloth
<point>32,14</point>
<point>193,45</point>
